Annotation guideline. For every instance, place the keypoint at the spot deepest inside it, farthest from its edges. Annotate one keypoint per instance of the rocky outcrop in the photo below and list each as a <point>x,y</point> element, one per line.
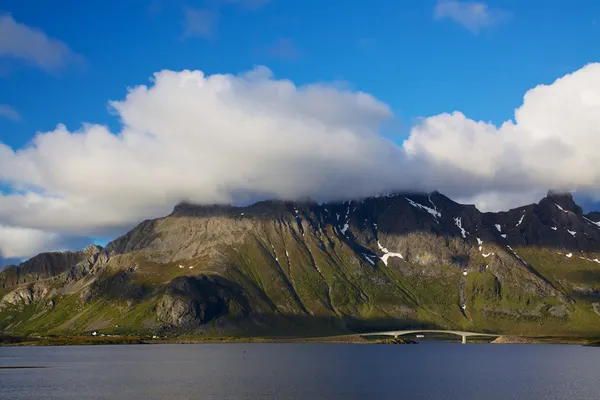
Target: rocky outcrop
<point>564,200</point>
<point>519,340</point>
<point>25,295</point>
<point>46,265</point>
<point>193,301</point>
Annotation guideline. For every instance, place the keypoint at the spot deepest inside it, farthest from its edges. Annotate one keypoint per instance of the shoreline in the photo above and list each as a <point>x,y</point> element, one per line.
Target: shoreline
<point>79,340</point>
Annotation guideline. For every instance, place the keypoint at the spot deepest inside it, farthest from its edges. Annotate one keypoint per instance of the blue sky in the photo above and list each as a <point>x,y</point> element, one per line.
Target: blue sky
<point>418,58</point>
<point>395,50</point>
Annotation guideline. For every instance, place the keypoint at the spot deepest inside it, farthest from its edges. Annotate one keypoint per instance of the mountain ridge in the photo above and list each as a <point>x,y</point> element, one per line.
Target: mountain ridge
<point>393,260</point>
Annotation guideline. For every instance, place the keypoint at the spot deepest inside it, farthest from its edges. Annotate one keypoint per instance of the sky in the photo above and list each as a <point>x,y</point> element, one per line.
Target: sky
<point>112,112</point>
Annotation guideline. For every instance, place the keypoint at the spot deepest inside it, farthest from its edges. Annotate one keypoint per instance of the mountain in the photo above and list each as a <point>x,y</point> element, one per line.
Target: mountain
<point>299,268</point>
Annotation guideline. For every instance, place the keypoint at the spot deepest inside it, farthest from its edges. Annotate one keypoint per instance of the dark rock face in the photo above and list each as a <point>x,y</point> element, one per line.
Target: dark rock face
<point>556,221</point>
<point>193,301</point>
<point>565,201</point>
<point>594,216</point>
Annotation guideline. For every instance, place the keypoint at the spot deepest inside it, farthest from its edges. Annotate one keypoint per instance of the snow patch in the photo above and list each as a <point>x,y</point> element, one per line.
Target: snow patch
<point>521,220</point>
<point>592,222</point>
<point>569,255</point>
<point>503,236</point>
<point>181,266</point>
<point>465,273</point>
<point>589,259</point>
<point>560,208</point>
<point>516,255</point>
<point>458,223</point>
<point>387,254</point>
<point>498,227</point>
<point>344,229</point>
<point>480,242</point>
<point>554,228</point>
<point>435,213</point>
<point>573,233</point>
<point>431,202</point>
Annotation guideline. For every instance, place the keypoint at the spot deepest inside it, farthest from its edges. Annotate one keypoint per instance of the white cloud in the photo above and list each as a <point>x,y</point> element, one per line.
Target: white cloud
<point>18,242</point>
<point>472,15</point>
<point>218,138</point>
<point>9,112</point>
<point>228,138</point>
<point>33,46</point>
<point>552,143</point>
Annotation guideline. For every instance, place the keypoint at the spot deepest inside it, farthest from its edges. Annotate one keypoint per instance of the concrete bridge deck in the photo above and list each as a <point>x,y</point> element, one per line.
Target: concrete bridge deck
<point>463,334</point>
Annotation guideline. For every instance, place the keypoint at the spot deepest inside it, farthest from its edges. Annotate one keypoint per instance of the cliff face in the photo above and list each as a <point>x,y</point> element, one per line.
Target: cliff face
<point>293,267</point>
<point>44,266</point>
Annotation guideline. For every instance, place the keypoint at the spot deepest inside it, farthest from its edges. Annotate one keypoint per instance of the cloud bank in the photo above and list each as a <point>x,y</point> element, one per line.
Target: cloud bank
<point>238,138</point>
<point>33,46</point>
<point>20,243</point>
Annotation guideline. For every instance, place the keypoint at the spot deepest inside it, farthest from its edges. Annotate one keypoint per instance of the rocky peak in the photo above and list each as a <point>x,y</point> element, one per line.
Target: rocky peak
<point>91,250</point>
<point>564,200</point>
<point>43,266</point>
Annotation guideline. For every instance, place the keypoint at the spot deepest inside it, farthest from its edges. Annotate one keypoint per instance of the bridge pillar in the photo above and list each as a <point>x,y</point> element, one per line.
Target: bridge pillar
<point>464,339</point>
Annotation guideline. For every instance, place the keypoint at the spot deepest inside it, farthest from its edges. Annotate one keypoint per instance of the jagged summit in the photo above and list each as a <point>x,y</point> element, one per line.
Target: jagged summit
<point>564,200</point>
<point>92,249</point>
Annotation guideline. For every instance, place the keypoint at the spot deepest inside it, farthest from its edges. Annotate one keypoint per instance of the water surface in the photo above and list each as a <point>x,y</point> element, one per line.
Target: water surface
<point>302,371</point>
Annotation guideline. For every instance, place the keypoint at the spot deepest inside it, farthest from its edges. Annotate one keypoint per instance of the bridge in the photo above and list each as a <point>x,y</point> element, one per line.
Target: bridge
<point>462,334</point>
